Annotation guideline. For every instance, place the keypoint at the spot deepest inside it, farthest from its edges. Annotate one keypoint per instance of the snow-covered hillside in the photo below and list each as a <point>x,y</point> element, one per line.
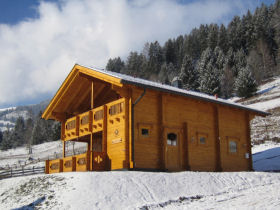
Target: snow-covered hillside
<point>267,99</point>
<point>8,116</point>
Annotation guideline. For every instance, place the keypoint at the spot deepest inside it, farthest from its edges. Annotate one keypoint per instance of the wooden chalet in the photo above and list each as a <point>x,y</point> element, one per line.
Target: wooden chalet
<point>135,124</point>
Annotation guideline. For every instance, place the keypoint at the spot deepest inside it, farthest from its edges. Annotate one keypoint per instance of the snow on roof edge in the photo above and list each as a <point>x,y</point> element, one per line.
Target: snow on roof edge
<point>126,79</point>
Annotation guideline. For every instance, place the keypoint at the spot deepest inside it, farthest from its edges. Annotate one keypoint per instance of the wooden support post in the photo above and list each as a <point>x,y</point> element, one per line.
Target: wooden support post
<point>91,152</point>
<point>63,149</point>
<point>129,117</point>
<point>248,141</point>
<point>126,127</point>
<point>92,96</point>
<point>104,138</point>
<point>217,140</point>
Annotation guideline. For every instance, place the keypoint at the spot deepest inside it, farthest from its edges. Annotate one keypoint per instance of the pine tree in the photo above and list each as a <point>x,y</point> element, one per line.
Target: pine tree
<point>115,64</point>
<point>245,84</point>
<point>212,38</point>
<point>169,52</point>
<point>209,72</point>
<point>222,39</point>
<point>189,75</point>
<point>6,141</point>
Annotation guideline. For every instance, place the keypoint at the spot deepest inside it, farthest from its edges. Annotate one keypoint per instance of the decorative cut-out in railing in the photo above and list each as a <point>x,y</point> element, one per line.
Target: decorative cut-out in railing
<point>85,120</point>
<point>71,125</point>
<point>116,108</point>
<point>98,115</point>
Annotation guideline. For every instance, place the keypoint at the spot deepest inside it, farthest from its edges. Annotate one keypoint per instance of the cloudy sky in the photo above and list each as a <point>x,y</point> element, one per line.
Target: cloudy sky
<point>41,40</point>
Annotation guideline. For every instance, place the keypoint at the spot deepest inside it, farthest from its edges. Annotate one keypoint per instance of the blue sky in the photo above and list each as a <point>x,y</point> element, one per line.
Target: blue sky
<point>41,40</point>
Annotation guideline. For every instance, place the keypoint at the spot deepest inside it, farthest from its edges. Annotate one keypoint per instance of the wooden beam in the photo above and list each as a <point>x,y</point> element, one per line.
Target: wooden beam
<point>130,127</point>
<point>59,116</point>
<point>92,96</point>
<point>248,141</point>
<point>91,152</point>
<point>217,139</point>
<point>101,76</point>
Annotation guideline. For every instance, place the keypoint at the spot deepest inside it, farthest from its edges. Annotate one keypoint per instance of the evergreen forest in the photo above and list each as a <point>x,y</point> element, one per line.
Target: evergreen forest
<point>214,59</point>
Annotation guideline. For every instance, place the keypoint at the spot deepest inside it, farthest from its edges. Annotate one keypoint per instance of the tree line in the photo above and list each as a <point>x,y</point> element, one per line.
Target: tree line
<point>214,59</point>
<point>29,132</point>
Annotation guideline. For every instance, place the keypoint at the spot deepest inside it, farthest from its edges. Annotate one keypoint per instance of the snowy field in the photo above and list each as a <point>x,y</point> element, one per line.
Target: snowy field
<point>151,190</point>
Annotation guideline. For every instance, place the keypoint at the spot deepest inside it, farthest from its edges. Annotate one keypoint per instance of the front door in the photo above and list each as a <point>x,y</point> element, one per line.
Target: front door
<point>172,143</point>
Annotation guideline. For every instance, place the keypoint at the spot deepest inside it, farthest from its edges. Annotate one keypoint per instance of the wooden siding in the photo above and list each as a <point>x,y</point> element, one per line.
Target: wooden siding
<point>205,131</point>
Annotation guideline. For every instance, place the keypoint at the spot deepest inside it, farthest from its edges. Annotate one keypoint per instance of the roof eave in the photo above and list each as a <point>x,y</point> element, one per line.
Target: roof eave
<point>261,113</point>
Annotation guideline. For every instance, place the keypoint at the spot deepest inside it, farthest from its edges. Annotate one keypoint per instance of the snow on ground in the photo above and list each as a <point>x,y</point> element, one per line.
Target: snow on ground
<point>266,105</point>
<point>7,109</point>
<point>150,190</point>
<point>49,150</point>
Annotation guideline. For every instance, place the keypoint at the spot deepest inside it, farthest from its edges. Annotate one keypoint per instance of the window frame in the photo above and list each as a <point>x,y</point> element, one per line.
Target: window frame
<point>174,140</point>
<point>233,139</point>
<point>200,135</point>
<point>146,126</point>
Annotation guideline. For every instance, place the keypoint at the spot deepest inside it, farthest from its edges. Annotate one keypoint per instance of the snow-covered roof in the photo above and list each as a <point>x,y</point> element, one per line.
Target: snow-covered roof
<point>126,79</point>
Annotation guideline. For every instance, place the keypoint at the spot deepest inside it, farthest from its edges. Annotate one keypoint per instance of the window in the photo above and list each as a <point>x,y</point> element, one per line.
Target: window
<point>172,139</point>
<point>145,132</point>
<point>232,147</point>
<point>202,140</point>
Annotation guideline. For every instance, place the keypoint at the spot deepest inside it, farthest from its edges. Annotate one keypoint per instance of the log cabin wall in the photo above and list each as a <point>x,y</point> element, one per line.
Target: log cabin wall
<point>233,126</point>
<point>205,132</point>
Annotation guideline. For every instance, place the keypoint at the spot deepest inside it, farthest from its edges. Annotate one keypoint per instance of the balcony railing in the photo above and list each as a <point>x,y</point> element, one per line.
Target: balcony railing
<point>83,162</point>
<point>92,121</point>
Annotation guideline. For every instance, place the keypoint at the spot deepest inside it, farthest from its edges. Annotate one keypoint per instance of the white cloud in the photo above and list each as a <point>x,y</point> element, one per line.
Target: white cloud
<point>36,55</point>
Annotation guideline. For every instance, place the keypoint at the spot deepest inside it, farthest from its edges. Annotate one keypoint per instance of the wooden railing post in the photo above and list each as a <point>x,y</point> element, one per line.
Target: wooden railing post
<point>61,165</point>
<point>47,167</point>
<point>73,163</point>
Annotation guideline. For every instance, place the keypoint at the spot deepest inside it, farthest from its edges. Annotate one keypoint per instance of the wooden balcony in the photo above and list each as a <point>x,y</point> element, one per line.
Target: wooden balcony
<point>94,120</point>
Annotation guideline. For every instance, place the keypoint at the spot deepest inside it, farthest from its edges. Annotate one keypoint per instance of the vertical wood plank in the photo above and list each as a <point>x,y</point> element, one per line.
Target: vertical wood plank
<point>160,132</point>
<point>248,141</point>
<point>217,139</point>
<point>185,149</point>
<point>129,116</point>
